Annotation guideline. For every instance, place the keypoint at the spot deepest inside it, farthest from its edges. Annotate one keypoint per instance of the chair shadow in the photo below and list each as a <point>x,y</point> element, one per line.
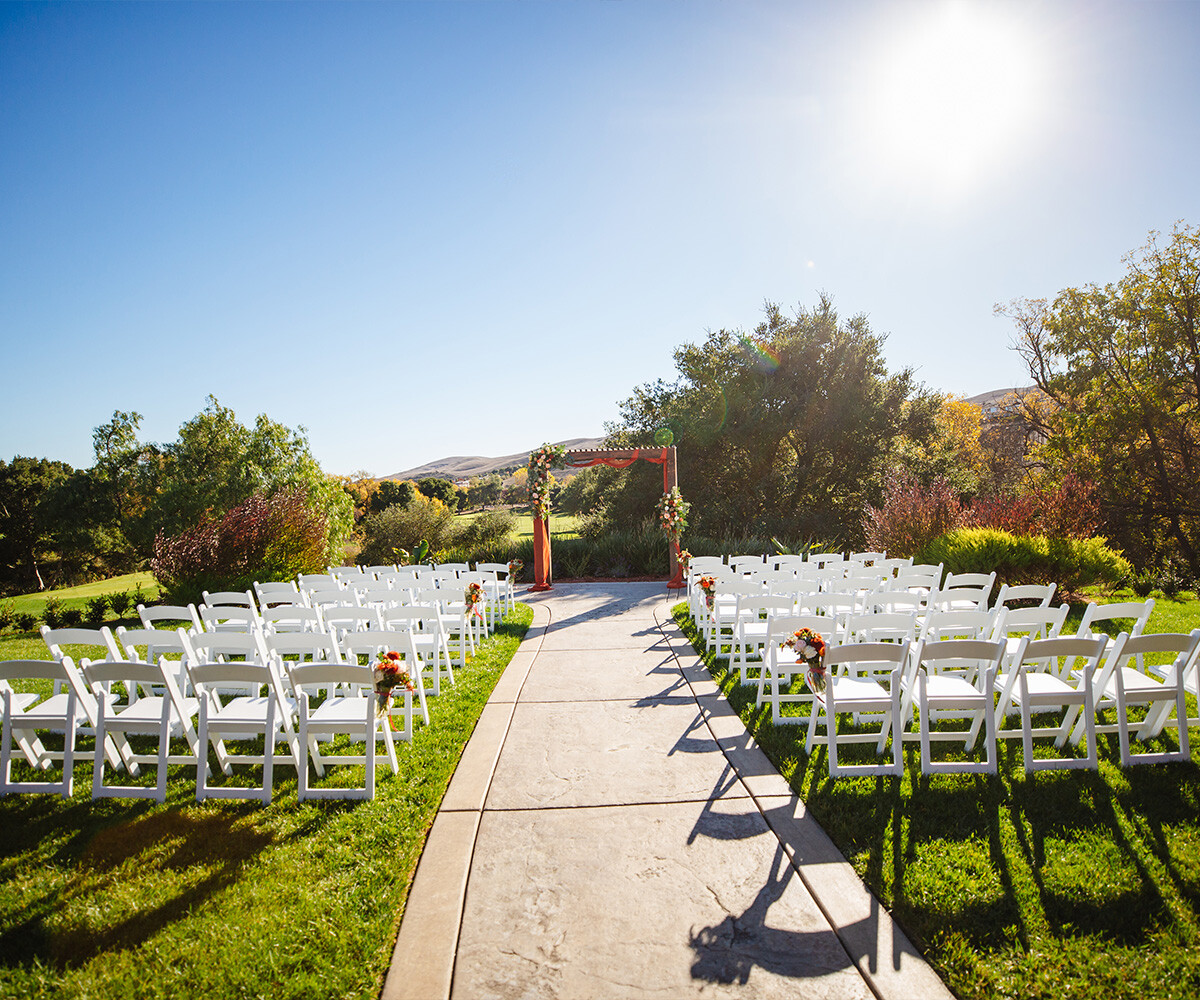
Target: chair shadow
<point>180,840</point>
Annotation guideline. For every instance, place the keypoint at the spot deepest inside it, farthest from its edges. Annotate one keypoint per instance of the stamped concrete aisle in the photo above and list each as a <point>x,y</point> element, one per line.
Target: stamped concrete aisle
<point>612,831</point>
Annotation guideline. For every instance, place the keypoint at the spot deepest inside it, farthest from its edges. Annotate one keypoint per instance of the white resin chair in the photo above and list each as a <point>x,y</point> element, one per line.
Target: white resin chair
<point>1127,681</point>
<point>151,713</point>
<point>291,618</point>
<point>955,678</point>
<point>277,592</point>
<point>263,713</point>
<point>862,679</point>
<point>751,628</point>
<point>351,712</point>
<point>1045,675</point>
<point>170,616</point>
<point>230,598</point>
<point>781,671</point>
<point>24,719</point>
<point>1043,593</point>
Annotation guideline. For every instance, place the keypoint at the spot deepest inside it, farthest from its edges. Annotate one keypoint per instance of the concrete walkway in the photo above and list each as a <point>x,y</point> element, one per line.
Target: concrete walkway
<point>612,831</point>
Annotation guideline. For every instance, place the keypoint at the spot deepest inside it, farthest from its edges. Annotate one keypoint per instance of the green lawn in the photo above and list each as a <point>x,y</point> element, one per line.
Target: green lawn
<point>561,525</point>
<point>128,899</point>
<point>77,597</point>
<point>1062,884</point>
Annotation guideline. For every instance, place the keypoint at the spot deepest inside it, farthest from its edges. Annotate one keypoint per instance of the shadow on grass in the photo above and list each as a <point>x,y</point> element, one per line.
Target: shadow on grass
<point>220,843</point>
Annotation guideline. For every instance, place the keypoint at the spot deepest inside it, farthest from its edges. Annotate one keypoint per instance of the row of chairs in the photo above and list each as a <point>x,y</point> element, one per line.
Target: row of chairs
<point>157,668</point>
<point>903,672</point>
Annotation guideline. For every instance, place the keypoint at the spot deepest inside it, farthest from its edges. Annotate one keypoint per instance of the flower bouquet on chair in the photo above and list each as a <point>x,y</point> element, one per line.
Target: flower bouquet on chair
<point>708,584</point>
<point>473,597</point>
<point>810,650</point>
<point>389,673</point>
<point>514,569</point>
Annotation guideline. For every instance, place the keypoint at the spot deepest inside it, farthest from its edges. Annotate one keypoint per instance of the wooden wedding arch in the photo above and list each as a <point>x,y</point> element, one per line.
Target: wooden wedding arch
<point>616,458</point>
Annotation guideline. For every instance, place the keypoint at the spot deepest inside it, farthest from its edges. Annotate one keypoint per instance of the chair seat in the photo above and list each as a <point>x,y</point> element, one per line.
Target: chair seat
<point>1045,689</point>
<point>1137,686</point>
<point>242,711</point>
<point>337,711</point>
<point>946,690</point>
<point>852,694</point>
<point>145,714</point>
<point>53,709</point>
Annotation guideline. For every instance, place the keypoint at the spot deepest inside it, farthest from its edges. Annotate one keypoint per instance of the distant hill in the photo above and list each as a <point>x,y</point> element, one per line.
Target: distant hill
<point>466,466</point>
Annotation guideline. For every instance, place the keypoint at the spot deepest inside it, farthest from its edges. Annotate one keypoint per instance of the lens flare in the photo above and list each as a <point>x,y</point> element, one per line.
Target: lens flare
<point>760,355</point>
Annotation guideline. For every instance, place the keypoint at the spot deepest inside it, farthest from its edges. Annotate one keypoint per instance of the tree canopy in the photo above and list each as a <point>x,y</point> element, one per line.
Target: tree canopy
<point>1120,365</point>
<point>788,429</point>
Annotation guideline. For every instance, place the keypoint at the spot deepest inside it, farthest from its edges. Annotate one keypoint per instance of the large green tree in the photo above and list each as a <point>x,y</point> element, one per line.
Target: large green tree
<point>26,524</point>
<point>786,430</point>
<point>1120,364</point>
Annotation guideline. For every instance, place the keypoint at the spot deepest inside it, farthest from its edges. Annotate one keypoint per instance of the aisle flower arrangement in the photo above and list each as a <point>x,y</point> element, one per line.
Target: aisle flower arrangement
<point>514,569</point>
<point>389,673</point>
<point>473,598</point>
<point>810,650</point>
<point>708,586</point>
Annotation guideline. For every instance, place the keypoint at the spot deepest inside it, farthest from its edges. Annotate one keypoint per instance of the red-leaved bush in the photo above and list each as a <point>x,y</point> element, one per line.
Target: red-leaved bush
<point>264,538</point>
<point>912,515</point>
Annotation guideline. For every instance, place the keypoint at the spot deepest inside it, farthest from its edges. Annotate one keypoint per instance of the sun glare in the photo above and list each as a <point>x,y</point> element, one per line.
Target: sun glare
<point>949,97</point>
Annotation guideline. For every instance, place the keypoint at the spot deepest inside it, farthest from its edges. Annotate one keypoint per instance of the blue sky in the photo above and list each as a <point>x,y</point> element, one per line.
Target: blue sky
<point>423,229</point>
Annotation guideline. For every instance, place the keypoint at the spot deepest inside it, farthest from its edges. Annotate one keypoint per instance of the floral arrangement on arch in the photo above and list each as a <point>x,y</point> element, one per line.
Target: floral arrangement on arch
<point>540,462</point>
<point>810,647</point>
<point>672,512</point>
<point>389,673</point>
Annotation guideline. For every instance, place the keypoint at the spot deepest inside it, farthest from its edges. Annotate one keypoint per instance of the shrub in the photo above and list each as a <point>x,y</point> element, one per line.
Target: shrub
<point>96,612</point>
<point>7,615</point>
<point>121,602</point>
<point>25,621</point>
<point>1072,563</point>
<point>403,526</point>
<point>1067,509</point>
<point>1170,578</point>
<point>488,530</point>
<point>266,537</point>
<point>912,515</point>
<point>71,618</point>
<point>52,612</point>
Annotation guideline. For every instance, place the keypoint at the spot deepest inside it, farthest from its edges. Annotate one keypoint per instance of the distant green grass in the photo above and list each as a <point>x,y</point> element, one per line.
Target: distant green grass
<point>561,525</point>
<point>77,597</point>
<point>119,899</point>
<point>1060,884</point>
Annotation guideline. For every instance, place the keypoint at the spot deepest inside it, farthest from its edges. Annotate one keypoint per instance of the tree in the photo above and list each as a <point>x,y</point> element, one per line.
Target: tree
<point>788,430</point>
<point>439,489</point>
<point>392,492</point>
<point>1120,366</point>
<point>484,490</point>
<point>26,527</point>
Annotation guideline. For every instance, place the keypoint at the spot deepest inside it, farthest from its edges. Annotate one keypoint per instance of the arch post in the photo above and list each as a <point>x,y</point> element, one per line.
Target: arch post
<point>541,554</point>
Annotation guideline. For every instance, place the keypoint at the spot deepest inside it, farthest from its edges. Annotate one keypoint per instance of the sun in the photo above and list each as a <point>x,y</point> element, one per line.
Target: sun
<point>949,94</point>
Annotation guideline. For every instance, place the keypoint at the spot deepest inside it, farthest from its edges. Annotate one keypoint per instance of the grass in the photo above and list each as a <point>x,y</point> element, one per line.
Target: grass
<point>561,525</point>
<point>1061,884</point>
<point>126,899</point>
<point>77,597</point>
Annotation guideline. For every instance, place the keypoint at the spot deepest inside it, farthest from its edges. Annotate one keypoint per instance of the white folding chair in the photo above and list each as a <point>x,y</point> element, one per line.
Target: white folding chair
<point>751,628</point>
<point>1043,593</point>
<point>855,678</point>
<point>1044,675</point>
<point>954,678</point>
<point>229,618</point>
<point>230,598</point>
<point>291,618</point>
<point>430,641</point>
<point>781,667</point>
<point>170,616</point>
<point>24,719</point>
<point>242,717</point>
<point>149,713</point>
<point>351,711</point>
<point>1160,688</point>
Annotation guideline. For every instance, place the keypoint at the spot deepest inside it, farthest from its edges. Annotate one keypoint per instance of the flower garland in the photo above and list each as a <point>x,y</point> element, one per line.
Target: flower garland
<point>389,673</point>
<point>540,462</point>
<point>810,649</point>
<point>672,512</point>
